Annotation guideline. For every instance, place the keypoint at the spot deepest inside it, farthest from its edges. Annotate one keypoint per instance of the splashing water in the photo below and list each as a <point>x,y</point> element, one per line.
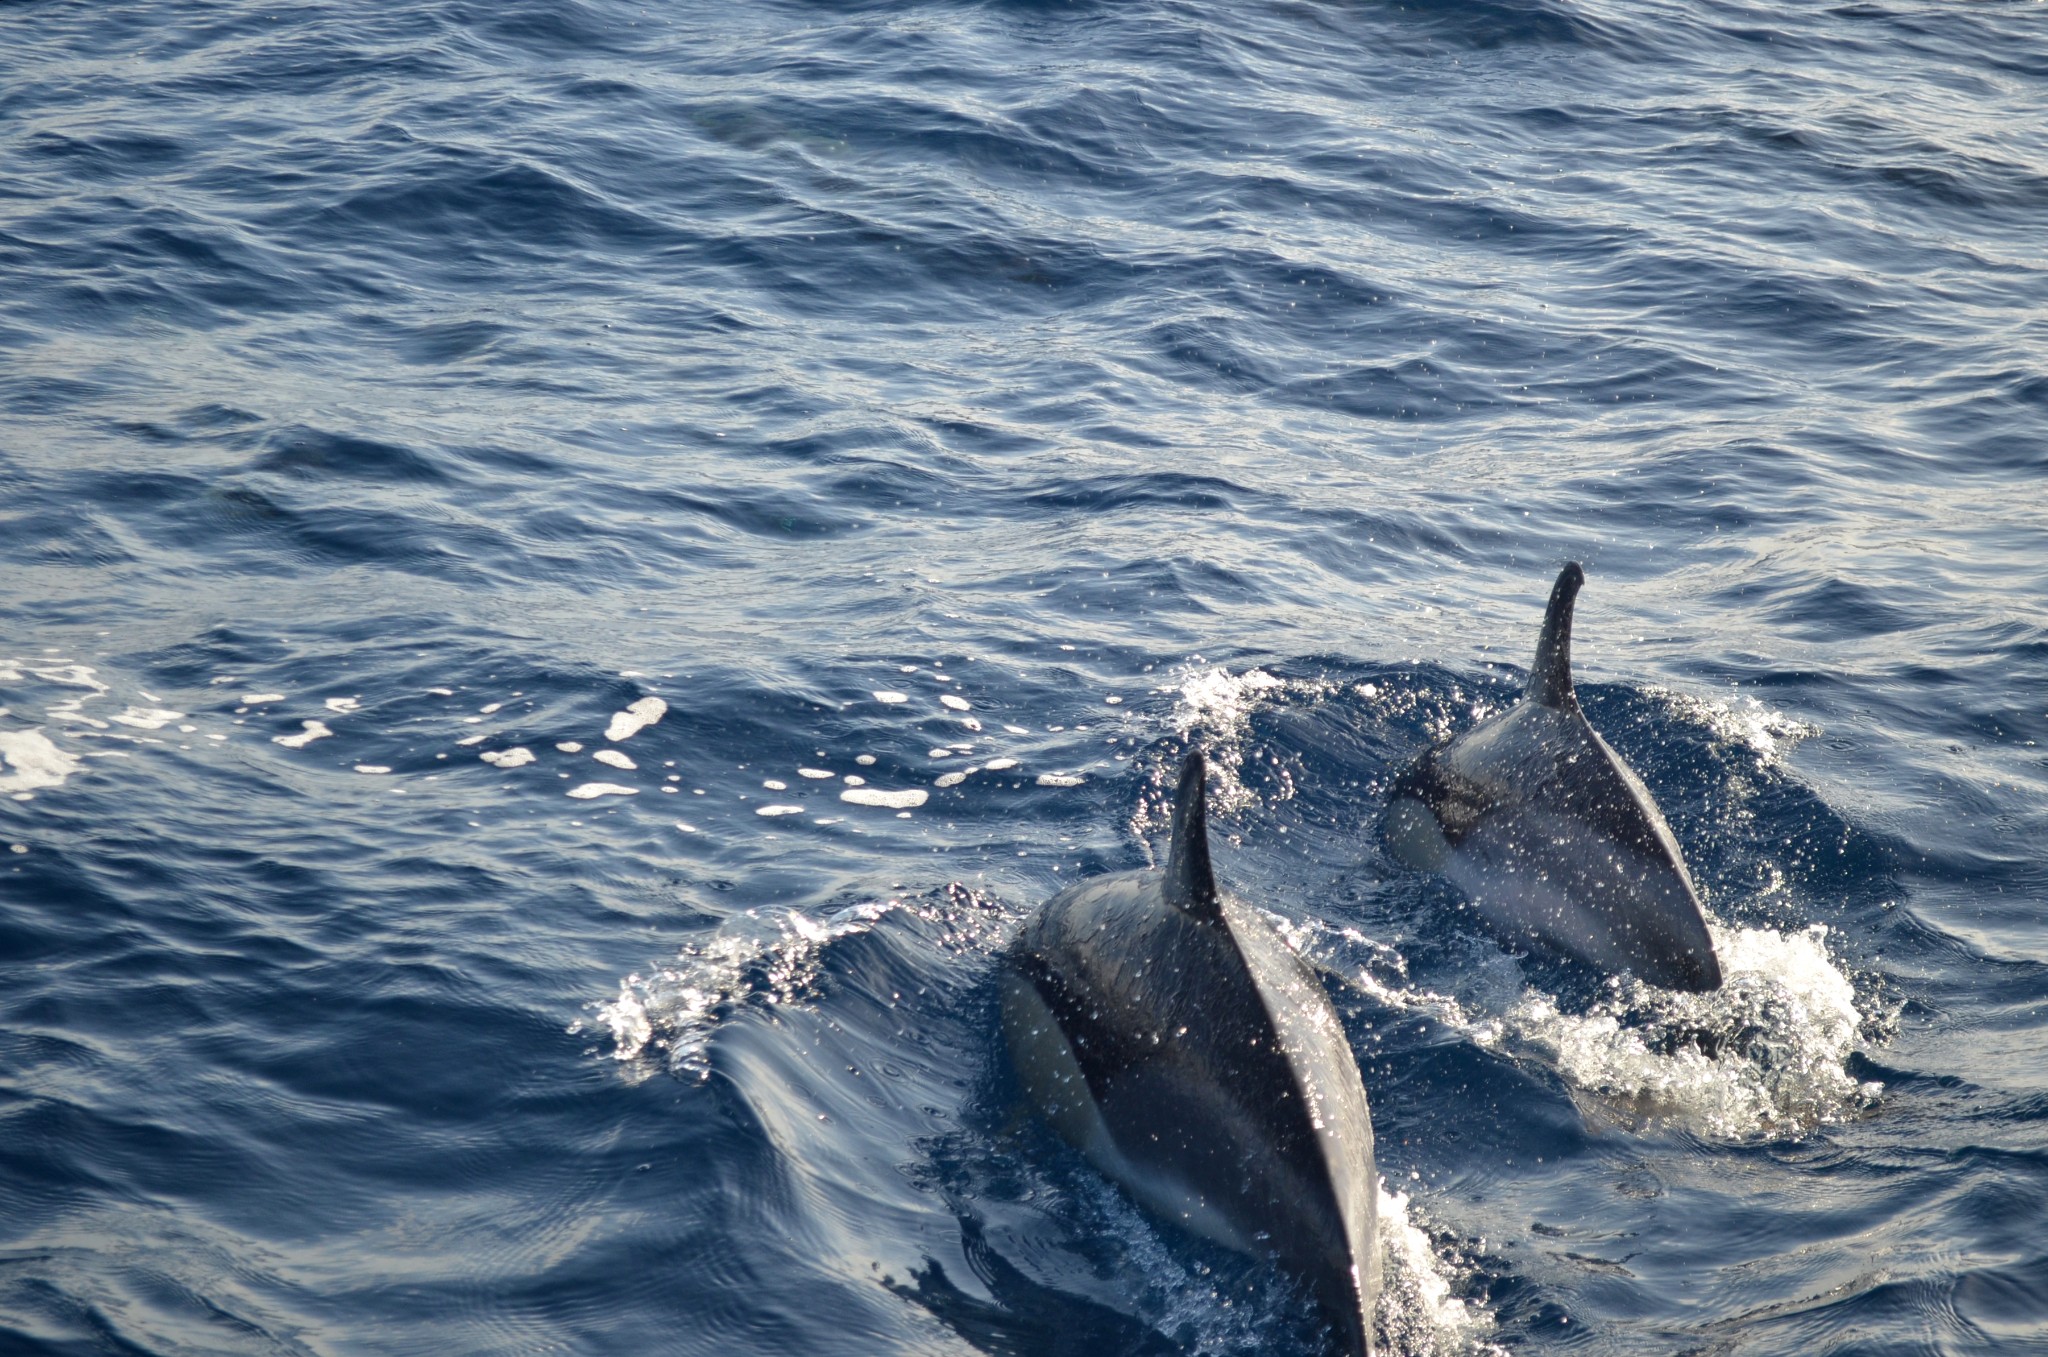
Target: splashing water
<point>1763,1055</point>
<point>675,1010</point>
<point>1418,1312</point>
<point>1219,705</point>
<point>1418,1315</point>
<point>1744,721</point>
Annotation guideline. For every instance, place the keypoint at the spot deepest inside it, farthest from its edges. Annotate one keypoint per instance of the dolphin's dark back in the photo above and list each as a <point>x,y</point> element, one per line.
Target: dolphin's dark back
<point>1552,833</point>
<point>1221,1089</point>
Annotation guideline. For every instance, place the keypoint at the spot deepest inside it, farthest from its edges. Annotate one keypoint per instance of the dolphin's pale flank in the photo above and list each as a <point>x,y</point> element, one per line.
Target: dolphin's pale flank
<point>1167,1032</point>
<point>1552,837</point>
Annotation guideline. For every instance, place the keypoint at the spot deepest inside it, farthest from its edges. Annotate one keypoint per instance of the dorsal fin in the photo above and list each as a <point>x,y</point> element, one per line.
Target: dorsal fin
<point>1190,885</point>
<point>1550,680</point>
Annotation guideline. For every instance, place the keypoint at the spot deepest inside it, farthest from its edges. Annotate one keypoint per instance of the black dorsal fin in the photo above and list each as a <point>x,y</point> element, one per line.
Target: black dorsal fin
<point>1190,884</point>
<point>1550,681</point>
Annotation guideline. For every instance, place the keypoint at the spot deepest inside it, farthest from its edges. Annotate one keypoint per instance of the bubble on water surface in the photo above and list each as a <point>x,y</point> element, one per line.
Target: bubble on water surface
<point>1419,1314</point>
<point>591,790</point>
<point>147,718</point>
<point>635,718</point>
<point>876,796</point>
<point>309,732</point>
<point>30,760</point>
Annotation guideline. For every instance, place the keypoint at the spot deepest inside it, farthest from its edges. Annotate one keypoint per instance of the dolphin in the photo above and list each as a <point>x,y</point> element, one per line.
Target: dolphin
<point>1165,1030</point>
<point>1552,837</point>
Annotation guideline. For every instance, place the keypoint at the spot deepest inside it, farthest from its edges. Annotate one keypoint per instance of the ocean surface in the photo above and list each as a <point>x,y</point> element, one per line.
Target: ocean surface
<point>571,571</point>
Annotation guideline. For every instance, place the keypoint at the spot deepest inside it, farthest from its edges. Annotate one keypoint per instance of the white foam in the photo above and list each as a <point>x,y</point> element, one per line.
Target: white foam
<point>33,761</point>
<point>311,731</point>
<point>956,703</point>
<point>591,790</point>
<point>342,706</point>
<point>615,758</point>
<point>998,765</point>
<point>1219,706</point>
<point>1786,1020</point>
<point>148,718</point>
<point>372,768</point>
<point>1764,1055</point>
<point>570,746</point>
<point>775,785</point>
<point>775,957</point>
<point>950,779</point>
<point>635,718</point>
<point>508,758</point>
<point>875,796</point>
<point>1060,779</point>
<point>1767,733</point>
<point>816,774</point>
<point>260,699</point>
<point>884,695</point>
<point>778,810</point>
<point>1417,1316</point>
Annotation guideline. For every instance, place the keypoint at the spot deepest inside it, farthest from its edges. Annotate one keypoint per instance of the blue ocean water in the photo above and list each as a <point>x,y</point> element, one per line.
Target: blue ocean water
<point>572,570</point>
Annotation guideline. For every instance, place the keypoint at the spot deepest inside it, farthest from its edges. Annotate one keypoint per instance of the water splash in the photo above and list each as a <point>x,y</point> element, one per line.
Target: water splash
<point>1219,705</point>
<point>1742,721</point>
<point>1763,1055</point>
<point>1419,1312</point>
<point>771,958</point>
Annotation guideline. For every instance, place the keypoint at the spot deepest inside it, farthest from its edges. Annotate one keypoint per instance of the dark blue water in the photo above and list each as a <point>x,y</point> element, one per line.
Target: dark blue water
<point>985,401</point>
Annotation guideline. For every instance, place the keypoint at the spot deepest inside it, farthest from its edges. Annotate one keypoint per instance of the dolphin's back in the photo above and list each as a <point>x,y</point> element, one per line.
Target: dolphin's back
<point>1218,1086</point>
<point>1550,833</point>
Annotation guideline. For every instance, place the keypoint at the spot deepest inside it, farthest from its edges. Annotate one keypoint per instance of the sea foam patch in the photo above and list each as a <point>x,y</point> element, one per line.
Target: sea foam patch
<point>894,800</point>
<point>31,760</point>
<point>635,718</point>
